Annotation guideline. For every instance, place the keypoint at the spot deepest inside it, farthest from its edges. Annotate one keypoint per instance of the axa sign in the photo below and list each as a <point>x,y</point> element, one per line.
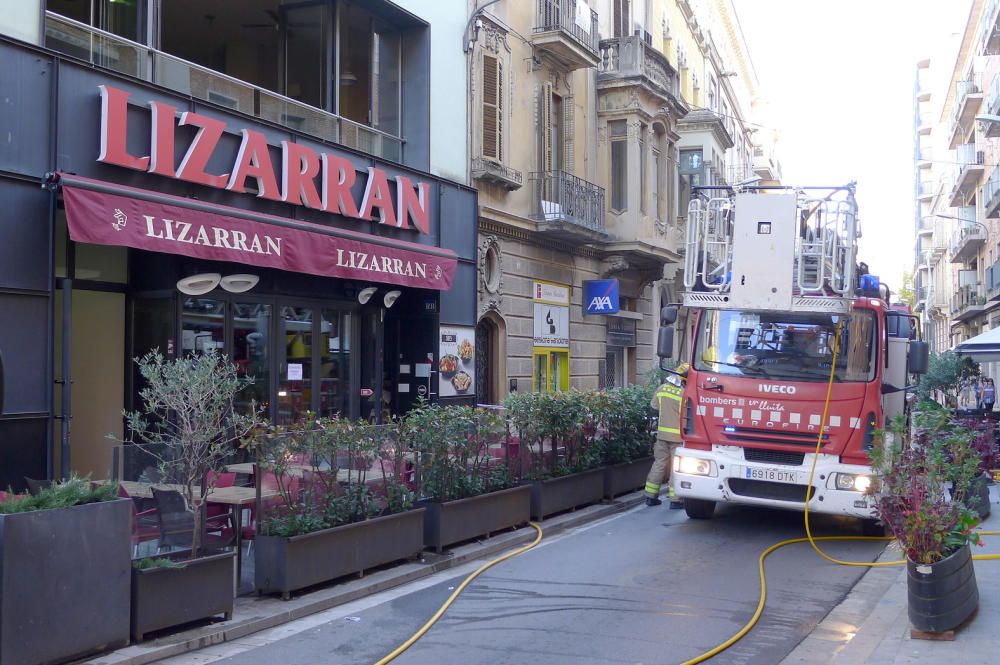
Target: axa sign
<point>321,181</point>
<point>600,296</point>
<point>776,388</point>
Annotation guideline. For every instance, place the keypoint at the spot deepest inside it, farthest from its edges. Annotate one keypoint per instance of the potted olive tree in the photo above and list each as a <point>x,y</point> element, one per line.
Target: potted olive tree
<point>189,423</point>
<point>932,525</point>
<point>557,435</point>
<point>341,506</point>
<point>463,474</point>
<point>64,573</point>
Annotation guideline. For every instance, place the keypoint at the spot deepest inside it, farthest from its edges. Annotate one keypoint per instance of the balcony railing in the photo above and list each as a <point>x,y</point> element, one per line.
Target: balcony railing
<point>967,300</point>
<point>562,15</point>
<point>966,241</point>
<point>925,188</point>
<point>492,171</point>
<point>112,52</point>
<point>562,197</point>
<point>624,57</point>
<point>990,195</point>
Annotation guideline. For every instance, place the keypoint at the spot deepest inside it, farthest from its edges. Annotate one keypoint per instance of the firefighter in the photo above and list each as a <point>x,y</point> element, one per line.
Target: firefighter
<point>667,403</point>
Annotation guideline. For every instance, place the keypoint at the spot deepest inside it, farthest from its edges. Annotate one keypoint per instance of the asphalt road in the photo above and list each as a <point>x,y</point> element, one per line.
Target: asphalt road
<point>646,587</point>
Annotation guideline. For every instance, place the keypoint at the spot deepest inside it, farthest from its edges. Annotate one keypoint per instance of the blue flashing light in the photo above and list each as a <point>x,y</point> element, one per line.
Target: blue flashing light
<point>729,429</point>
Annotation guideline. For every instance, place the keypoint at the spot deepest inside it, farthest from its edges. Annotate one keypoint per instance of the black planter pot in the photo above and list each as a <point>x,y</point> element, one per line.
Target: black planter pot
<point>167,597</point>
<point>622,478</point>
<point>283,565</point>
<point>555,495</point>
<point>944,594</point>
<point>454,521</point>
<point>64,582</point>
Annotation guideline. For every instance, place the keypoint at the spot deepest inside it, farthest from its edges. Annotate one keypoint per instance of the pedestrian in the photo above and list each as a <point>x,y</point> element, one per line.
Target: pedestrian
<point>978,390</point>
<point>989,395</point>
<point>965,393</point>
<point>667,403</point>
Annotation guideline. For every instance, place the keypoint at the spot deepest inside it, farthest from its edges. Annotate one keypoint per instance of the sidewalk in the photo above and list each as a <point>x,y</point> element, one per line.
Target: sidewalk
<point>870,626</point>
<point>253,614</point>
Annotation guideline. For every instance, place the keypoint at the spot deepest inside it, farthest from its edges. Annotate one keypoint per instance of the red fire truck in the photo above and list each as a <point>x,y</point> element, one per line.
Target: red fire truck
<point>771,286</point>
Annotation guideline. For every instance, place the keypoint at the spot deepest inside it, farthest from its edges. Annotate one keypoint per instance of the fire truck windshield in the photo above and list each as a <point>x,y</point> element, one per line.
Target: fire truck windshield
<point>795,346</point>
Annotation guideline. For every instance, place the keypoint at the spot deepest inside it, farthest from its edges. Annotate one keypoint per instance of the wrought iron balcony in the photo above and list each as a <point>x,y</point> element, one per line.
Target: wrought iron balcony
<point>968,99</point>
<point>765,165</point>
<point>967,303</point>
<point>568,35</point>
<point>110,51</point>
<point>925,189</point>
<point>966,242</point>
<point>971,165</point>
<point>990,195</point>
<point>630,58</point>
<point>568,207</point>
<point>489,170</point>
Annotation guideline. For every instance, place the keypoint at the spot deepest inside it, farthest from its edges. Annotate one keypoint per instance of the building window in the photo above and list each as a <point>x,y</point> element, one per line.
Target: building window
<point>692,170</point>
<point>621,17</point>
<point>492,108</point>
<point>618,135</point>
<point>657,208</point>
<point>553,132</point>
<point>119,18</point>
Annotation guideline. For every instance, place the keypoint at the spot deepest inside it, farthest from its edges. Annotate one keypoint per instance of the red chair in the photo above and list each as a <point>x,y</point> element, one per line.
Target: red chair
<point>145,526</point>
<point>221,480</point>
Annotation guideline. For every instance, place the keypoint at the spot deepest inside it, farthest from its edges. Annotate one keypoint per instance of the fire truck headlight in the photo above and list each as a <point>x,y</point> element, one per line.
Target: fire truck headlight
<point>693,466</point>
<point>853,483</point>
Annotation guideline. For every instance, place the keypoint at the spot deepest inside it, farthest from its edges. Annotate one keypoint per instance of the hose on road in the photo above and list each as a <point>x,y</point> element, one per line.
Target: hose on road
<point>461,587</point>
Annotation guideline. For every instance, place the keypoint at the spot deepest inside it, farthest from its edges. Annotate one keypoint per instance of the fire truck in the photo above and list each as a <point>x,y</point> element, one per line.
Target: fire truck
<point>771,288</point>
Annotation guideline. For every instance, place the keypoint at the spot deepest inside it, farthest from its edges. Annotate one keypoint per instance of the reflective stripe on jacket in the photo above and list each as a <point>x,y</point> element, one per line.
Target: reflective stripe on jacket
<point>667,402</point>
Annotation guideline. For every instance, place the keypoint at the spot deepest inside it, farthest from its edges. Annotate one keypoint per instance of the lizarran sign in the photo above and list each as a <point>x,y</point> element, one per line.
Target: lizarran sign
<point>301,166</point>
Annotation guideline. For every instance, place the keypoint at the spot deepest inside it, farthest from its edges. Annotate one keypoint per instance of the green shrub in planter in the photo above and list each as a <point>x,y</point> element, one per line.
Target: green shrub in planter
<point>557,432</point>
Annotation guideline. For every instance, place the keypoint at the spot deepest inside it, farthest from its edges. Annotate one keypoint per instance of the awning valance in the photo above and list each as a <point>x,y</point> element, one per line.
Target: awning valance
<point>108,214</point>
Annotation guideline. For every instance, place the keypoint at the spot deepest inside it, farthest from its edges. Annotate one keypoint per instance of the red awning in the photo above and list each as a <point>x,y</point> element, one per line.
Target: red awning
<point>108,214</point>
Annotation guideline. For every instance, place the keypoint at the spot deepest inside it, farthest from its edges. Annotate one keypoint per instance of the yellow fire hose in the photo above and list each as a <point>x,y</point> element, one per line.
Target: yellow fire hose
<point>812,540</point>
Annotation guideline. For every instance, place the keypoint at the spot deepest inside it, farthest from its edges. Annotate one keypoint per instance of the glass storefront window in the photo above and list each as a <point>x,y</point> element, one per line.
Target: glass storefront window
<point>101,263</point>
<point>251,330</point>
<point>296,366</point>
<point>203,325</point>
<point>334,362</point>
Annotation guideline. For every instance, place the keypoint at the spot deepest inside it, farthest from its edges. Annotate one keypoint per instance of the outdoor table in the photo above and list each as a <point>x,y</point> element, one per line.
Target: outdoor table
<point>237,498</point>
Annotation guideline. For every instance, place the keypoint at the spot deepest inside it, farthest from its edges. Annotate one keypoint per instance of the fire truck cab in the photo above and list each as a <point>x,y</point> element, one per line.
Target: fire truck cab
<point>771,290</point>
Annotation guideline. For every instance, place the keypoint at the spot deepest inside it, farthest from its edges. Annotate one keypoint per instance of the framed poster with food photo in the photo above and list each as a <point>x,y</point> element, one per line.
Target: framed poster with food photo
<point>457,362</point>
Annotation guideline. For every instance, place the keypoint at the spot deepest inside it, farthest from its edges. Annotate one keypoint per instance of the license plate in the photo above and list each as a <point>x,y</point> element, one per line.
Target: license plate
<point>773,475</point>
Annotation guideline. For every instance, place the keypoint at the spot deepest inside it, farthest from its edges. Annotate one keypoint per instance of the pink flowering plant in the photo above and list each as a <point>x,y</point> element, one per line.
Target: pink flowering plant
<point>920,486</point>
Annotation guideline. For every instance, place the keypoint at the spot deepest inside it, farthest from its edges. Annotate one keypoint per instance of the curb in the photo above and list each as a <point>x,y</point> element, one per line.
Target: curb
<point>253,614</point>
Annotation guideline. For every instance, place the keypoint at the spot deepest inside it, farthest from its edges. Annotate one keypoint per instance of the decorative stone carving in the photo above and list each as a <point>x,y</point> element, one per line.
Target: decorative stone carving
<point>490,266</point>
<point>494,37</point>
<point>615,265</point>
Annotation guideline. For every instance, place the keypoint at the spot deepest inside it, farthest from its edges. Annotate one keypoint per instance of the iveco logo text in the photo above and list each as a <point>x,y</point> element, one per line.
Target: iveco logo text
<point>774,388</point>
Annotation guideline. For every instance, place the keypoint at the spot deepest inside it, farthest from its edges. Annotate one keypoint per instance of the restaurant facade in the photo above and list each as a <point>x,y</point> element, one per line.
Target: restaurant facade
<point>152,203</point>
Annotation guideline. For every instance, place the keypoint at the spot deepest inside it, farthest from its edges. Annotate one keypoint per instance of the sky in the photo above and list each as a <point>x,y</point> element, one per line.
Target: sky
<point>839,77</point>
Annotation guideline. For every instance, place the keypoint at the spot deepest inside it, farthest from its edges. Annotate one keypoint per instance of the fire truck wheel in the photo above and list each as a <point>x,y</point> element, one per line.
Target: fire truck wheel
<point>873,528</point>
<point>699,509</point>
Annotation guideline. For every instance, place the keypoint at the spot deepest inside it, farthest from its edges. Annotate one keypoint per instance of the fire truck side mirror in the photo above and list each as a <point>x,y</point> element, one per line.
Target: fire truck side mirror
<point>665,342</point>
<point>668,315</point>
<point>917,357</point>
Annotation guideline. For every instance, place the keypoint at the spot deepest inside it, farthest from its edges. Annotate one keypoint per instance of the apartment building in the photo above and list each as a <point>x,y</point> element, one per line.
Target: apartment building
<point>957,185</point>
<point>279,182</point>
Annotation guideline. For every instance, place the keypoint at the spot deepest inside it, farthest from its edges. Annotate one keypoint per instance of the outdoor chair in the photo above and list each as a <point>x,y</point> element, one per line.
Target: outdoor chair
<point>226,479</point>
<point>268,481</point>
<point>176,522</point>
<point>36,486</point>
<point>144,523</point>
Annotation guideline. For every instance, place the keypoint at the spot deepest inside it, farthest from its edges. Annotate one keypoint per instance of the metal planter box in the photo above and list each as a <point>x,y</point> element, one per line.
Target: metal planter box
<point>454,521</point>
<point>165,597</point>
<point>555,495</point>
<point>64,582</point>
<point>622,478</point>
<point>283,565</point>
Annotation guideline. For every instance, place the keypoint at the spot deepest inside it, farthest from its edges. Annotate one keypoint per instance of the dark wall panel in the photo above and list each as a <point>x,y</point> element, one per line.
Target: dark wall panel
<point>458,306</point>
<point>23,326</point>
<point>26,85</point>
<point>24,236</point>
<point>22,452</point>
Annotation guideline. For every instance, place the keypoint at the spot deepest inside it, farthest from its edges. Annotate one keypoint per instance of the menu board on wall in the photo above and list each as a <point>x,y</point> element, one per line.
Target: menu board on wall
<point>457,361</point>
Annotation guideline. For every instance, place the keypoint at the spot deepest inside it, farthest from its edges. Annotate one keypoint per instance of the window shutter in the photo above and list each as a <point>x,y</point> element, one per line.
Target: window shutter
<point>491,107</point>
<point>546,121</point>
<point>569,131</point>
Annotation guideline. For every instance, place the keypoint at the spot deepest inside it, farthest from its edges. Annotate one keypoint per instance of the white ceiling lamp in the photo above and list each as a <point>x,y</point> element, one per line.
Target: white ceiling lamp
<point>239,283</point>
<point>199,285</point>
<point>365,294</point>
<point>390,298</point>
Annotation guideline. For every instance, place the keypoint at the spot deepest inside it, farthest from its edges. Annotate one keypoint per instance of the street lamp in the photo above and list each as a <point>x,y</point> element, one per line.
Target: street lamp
<point>985,228</point>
